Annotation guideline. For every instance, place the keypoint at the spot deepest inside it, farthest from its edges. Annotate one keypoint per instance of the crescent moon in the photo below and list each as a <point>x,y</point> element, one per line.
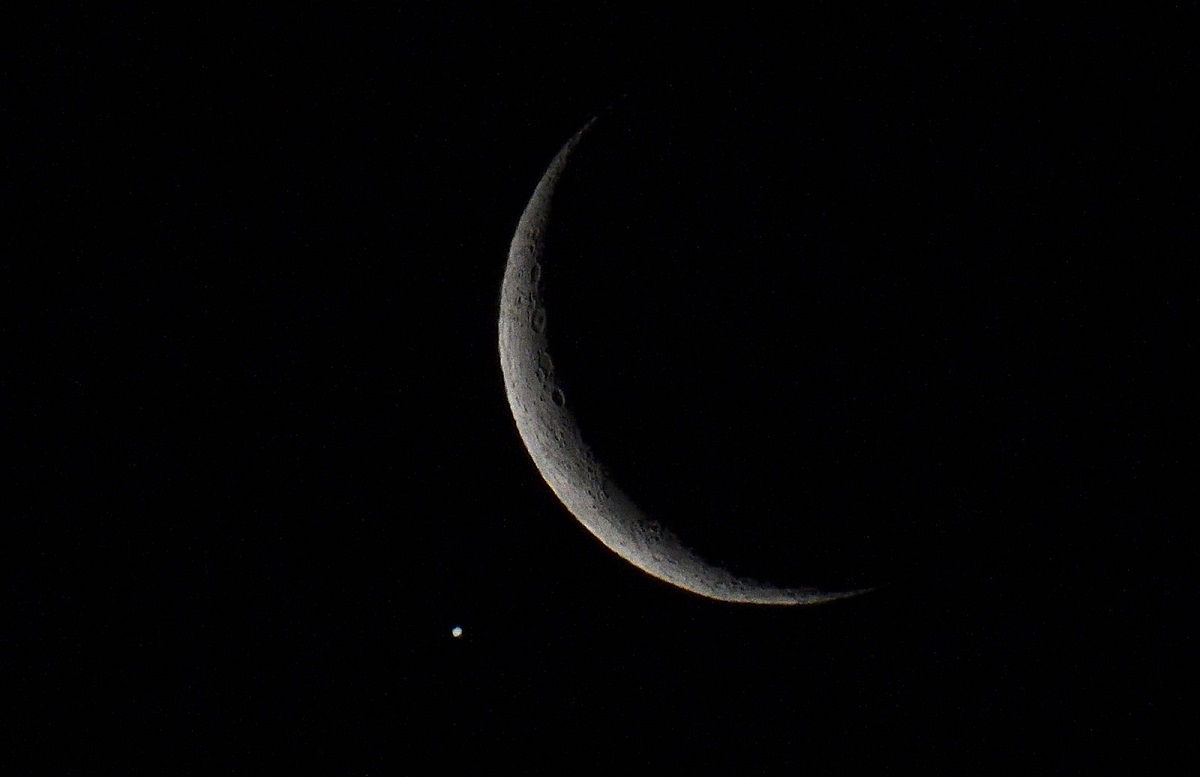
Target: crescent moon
<point>554,442</point>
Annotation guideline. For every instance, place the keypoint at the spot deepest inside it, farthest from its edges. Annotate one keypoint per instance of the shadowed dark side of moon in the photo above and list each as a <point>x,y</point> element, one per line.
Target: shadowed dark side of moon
<point>759,339</point>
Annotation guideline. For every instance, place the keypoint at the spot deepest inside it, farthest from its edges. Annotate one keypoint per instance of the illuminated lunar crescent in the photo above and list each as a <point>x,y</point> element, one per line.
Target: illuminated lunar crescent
<point>553,439</point>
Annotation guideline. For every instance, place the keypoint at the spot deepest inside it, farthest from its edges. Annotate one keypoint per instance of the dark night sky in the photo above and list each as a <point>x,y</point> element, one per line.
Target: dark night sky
<point>860,297</point>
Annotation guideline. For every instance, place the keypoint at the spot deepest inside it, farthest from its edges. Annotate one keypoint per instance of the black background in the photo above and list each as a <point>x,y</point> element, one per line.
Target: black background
<point>862,296</point>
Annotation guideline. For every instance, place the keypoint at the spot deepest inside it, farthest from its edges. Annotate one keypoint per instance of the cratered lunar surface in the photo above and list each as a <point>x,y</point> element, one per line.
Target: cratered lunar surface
<point>556,445</point>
